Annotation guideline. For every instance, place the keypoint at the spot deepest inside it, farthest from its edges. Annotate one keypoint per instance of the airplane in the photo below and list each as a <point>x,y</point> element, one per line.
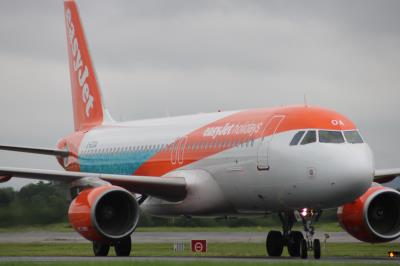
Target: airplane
<point>293,161</point>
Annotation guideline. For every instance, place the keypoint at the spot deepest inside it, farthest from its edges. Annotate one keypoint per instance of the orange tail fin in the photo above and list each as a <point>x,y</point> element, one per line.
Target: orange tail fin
<point>86,95</point>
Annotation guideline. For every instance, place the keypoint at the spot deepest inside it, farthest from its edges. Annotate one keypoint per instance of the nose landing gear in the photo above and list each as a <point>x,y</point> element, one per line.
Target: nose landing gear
<point>308,217</point>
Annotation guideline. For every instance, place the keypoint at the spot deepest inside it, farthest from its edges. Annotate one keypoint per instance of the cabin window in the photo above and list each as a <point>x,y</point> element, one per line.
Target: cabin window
<point>353,137</point>
<point>297,137</point>
<point>310,137</point>
<point>330,136</point>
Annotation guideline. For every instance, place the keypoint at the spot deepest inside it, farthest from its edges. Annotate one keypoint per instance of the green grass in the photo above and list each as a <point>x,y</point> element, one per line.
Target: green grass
<point>214,249</point>
<point>65,227</point>
<point>59,227</point>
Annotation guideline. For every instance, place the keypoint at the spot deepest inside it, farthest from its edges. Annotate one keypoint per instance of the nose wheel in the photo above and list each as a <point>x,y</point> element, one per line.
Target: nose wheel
<point>308,217</point>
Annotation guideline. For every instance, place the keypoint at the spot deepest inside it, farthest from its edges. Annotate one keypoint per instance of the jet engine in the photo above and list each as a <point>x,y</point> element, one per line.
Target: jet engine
<point>104,214</point>
<point>4,179</point>
<point>374,217</point>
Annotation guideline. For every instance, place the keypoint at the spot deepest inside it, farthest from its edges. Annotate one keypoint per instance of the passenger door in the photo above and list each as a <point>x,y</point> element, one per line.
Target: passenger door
<point>268,133</point>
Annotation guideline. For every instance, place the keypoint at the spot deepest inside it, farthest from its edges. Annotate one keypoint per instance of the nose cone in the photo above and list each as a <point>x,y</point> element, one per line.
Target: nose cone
<point>349,172</point>
<point>340,174</point>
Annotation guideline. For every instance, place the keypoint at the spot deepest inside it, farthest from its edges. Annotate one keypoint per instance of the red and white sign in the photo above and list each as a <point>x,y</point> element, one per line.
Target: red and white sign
<point>199,246</point>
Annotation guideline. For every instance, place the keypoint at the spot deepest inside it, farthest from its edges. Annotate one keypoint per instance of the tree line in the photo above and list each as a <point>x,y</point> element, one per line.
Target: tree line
<point>46,203</point>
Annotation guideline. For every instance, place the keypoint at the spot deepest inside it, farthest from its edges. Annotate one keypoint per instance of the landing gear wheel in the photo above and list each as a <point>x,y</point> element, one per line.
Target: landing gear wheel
<point>100,249</point>
<point>293,244</point>
<point>317,249</point>
<point>274,244</point>
<point>303,249</point>
<point>123,247</point>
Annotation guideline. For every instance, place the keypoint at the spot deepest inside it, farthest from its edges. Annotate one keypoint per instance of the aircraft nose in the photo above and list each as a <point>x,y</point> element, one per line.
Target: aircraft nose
<point>339,174</point>
<point>352,173</point>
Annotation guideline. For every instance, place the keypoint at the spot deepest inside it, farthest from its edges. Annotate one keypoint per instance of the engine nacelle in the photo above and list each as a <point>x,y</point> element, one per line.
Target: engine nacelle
<point>104,214</point>
<point>5,178</point>
<point>374,217</point>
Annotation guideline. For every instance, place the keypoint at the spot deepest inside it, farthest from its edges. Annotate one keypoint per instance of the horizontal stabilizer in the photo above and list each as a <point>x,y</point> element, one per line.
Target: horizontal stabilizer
<point>43,151</point>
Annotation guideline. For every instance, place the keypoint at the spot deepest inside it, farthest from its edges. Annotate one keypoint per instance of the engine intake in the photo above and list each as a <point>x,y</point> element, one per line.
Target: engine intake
<point>104,213</point>
<point>374,217</point>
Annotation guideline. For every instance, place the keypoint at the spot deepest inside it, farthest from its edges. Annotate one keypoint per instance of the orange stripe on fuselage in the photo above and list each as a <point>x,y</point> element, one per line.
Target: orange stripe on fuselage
<point>239,128</point>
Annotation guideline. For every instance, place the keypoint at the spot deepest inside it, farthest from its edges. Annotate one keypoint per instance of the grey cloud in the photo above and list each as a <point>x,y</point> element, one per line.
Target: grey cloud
<point>201,56</point>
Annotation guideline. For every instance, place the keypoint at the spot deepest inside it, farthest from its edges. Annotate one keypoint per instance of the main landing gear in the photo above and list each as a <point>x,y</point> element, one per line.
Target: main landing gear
<point>122,248</point>
<point>276,240</point>
<point>296,244</point>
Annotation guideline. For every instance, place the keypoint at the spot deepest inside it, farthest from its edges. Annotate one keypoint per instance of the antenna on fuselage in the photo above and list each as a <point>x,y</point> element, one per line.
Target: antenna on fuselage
<point>305,100</point>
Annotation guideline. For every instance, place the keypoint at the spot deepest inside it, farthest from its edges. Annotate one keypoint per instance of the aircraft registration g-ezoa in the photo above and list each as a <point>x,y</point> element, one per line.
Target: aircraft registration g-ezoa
<point>291,161</point>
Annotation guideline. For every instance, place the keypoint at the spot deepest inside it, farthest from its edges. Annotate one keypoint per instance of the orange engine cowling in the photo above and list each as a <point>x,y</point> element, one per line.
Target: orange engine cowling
<point>374,217</point>
<point>104,214</point>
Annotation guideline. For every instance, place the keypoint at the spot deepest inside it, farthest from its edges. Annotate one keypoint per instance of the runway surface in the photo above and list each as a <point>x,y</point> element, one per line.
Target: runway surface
<point>209,259</point>
<point>163,237</point>
<point>171,237</point>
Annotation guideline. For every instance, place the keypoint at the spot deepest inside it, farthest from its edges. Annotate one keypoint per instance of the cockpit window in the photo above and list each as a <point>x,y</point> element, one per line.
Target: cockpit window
<point>330,136</point>
<point>310,137</point>
<point>353,137</point>
<point>297,138</point>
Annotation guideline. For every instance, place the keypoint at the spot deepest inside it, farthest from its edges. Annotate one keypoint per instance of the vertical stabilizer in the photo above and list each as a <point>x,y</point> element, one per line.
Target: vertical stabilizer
<point>86,96</point>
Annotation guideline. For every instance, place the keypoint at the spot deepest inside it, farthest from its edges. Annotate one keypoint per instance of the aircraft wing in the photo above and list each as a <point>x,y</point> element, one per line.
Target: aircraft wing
<point>169,188</point>
<point>43,151</point>
<point>386,175</point>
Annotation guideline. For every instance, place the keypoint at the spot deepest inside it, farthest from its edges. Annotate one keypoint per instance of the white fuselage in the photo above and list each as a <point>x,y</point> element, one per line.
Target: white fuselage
<point>258,173</point>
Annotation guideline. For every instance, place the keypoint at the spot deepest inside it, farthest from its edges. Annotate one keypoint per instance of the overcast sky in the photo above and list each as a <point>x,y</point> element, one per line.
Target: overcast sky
<point>183,57</point>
